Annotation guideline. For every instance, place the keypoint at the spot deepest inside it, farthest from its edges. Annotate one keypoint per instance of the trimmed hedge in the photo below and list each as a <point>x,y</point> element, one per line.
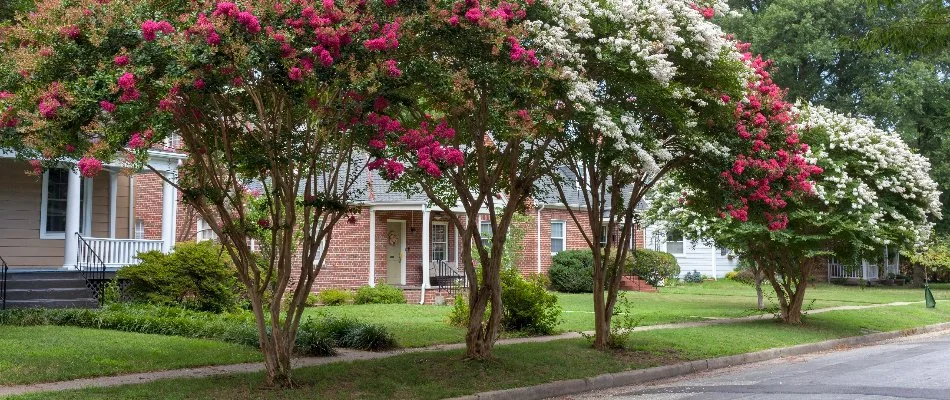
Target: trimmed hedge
<point>654,266</point>
<point>314,338</point>
<point>572,271</point>
<point>381,294</point>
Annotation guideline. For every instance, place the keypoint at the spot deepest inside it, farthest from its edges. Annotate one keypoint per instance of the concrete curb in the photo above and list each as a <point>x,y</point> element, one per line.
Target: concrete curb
<point>626,378</point>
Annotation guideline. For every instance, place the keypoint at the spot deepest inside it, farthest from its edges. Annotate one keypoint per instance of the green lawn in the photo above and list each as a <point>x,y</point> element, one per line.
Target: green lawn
<point>444,374</point>
<point>416,325</point>
<point>53,353</point>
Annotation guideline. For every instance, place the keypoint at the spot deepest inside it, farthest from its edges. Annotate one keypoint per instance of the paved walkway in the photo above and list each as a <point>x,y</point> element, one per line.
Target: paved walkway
<point>346,355</point>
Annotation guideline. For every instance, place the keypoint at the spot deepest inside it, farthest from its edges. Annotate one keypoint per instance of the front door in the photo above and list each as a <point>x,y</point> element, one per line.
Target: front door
<point>395,253</point>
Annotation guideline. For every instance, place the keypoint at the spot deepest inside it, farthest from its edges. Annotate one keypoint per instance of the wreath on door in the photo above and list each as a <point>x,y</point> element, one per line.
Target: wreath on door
<point>393,239</point>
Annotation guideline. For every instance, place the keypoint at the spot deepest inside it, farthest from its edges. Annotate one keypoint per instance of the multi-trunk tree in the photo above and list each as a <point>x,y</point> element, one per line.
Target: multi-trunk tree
<point>264,91</point>
<point>872,191</point>
<point>637,111</point>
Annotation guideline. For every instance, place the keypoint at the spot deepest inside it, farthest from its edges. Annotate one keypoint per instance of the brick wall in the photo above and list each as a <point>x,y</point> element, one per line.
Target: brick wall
<point>148,208</point>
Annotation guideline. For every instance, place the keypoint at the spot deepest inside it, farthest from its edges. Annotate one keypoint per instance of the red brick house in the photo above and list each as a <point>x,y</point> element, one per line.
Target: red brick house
<point>395,235</point>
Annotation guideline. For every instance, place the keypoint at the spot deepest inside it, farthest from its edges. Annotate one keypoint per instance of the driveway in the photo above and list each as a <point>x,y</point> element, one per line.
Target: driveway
<point>912,368</point>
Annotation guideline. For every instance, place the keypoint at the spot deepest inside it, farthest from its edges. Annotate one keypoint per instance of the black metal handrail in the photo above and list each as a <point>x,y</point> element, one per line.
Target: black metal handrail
<point>91,267</point>
<point>3,283</point>
<point>447,278</point>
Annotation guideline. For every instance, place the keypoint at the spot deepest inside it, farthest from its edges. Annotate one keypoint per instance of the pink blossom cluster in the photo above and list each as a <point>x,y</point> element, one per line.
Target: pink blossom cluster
<point>150,28</point>
<point>706,12</point>
<point>519,53</point>
<point>392,69</point>
<point>51,100</point>
<point>773,169</point>
<point>246,18</point>
<point>8,119</point>
<point>388,39</point>
<point>107,106</point>
<point>140,141</point>
<point>89,167</point>
<point>478,14</point>
<point>71,32</point>
<point>36,166</point>
<point>126,83</point>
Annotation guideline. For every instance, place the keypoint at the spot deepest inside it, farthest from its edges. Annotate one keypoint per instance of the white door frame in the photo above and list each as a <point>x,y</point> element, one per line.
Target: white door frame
<point>402,249</point>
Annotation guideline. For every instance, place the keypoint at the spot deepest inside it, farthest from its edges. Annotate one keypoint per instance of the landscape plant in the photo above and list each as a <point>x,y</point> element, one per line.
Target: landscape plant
<point>572,271</point>
<point>257,90</point>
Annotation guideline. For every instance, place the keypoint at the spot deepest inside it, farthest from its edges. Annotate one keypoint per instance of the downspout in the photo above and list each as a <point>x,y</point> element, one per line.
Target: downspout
<point>538,238</point>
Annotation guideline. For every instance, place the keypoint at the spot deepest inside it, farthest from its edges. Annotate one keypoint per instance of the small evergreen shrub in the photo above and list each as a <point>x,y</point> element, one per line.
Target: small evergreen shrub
<point>196,276</point>
<point>313,300</point>
<point>654,267</point>
<point>693,277</point>
<point>381,294</point>
<point>572,271</point>
<point>334,297</point>
<point>528,306</point>
<point>459,314</point>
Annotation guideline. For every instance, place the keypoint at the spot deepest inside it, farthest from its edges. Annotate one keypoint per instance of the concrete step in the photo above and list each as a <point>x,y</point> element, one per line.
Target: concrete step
<point>48,303</point>
<point>49,294</point>
<point>42,275</point>
<point>46,284</point>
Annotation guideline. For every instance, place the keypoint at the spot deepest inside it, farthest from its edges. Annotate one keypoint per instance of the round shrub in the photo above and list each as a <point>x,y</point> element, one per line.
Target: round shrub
<point>381,294</point>
<point>742,276</point>
<point>572,271</point>
<point>334,297</point>
<point>654,266</point>
<point>528,306</point>
<point>196,276</point>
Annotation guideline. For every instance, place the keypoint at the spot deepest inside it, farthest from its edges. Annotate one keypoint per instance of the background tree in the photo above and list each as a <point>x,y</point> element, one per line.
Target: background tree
<point>630,126</point>
<point>263,91</point>
<point>872,192</point>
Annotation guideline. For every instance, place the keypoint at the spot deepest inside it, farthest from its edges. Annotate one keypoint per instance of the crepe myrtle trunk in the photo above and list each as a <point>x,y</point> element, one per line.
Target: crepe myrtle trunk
<point>790,279</point>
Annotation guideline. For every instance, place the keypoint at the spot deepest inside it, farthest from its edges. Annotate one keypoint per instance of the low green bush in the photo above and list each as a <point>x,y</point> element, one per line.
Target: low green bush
<point>653,266</point>
<point>350,333</point>
<point>315,337</point>
<point>459,314</point>
<point>197,276</point>
<point>742,276</point>
<point>528,306</point>
<point>572,271</point>
<point>334,297</point>
<point>381,294</point>
<point>693,277</point>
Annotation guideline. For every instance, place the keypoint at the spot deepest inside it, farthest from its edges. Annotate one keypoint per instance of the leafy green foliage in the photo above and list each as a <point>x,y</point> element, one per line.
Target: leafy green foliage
<point>937,256</point>
<point>334,297</point>
<point>742,276</point>
<point>572,271</point>
<point>459,314</point>
<point>380,294</point>
<point>654,266</point>
<point>196,276</point>
<point>693,277</point>
<point>350,333</point>
<point>529,307</point>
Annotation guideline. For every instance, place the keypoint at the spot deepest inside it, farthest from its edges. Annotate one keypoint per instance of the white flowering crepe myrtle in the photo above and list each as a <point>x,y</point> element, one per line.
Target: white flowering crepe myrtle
<point>650,88</point>
<point>873,176</point>
<point>873,192</point>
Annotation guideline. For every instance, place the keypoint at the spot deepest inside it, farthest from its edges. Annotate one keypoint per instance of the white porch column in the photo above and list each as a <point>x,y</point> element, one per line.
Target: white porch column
<point>113,193</point>
<point>73,209</point>
<point>426,216</point>
<point>372,246</point>
<point>168,214</point>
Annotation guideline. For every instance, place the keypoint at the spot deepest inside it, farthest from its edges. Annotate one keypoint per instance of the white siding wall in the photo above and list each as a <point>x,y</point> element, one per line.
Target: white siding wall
<point>695,256</point>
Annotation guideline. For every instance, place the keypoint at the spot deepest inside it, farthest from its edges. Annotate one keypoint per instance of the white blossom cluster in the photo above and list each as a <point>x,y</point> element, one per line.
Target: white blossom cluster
<point>870,173</point>
<point>633,35</point>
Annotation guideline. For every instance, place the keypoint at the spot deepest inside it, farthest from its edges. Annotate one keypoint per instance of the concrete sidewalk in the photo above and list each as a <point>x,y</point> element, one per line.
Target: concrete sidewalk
<point>346,355</point>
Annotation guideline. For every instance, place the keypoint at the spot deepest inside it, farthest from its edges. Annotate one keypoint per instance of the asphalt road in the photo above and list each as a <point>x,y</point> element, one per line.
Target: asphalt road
<point>913,368</point>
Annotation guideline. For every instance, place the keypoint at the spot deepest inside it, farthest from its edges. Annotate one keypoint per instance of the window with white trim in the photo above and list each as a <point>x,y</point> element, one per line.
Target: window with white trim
<point>558,236</point>
<point>674,242</point>
<point>439,243</point>
<point>204,231</point>
<point>603,236</point>
<point>484,229</point>
<point>139,229</point>
<point>54,204</point>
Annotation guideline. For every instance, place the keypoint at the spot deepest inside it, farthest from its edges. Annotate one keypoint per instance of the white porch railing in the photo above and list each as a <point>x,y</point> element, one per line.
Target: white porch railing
<point>866,271</point>
<point>117,253</point>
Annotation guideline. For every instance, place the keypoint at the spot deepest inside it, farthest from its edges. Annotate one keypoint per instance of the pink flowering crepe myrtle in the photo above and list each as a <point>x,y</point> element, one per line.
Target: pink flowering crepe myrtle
<point>771,168</point>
